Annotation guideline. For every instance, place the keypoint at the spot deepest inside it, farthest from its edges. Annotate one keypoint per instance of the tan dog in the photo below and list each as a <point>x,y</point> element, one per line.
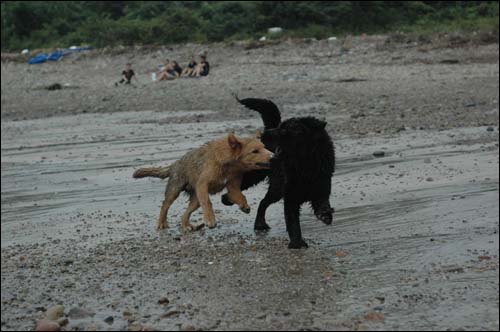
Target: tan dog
<point>207,170</point>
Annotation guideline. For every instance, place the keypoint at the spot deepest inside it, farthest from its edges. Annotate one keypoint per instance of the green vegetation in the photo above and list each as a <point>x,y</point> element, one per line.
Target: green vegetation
<point>34,24</point>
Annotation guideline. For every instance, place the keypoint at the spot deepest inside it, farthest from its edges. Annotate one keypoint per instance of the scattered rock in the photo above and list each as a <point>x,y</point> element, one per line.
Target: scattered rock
<point>163,300</point>
<point>55,312</point>
<point>79,313</point>
<point>68,262</point>
<point>490,129</point>
<point>109,320</point>
<point>55,86</point>
<point>340,253</point>
<point>429,179</point>
<point>47,325</point>
<point>63,321</point>
<point>375,316</point>
<point>170,313</point>
<point>453,269</point>
<point>378,153</point>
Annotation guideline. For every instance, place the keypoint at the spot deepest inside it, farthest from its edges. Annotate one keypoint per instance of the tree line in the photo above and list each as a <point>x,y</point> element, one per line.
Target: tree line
<point>34,24</point>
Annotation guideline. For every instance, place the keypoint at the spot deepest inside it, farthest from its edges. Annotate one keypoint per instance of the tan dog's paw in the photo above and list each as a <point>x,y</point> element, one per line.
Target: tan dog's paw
<point>188,228</point>
<point>161,225</point>
<point>211,224</point>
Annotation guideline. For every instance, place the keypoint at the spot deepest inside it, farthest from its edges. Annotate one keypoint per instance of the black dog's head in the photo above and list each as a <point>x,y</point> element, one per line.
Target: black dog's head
<point>295,133</point>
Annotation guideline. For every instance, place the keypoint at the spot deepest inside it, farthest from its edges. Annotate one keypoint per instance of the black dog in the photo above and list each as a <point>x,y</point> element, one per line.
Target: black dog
<point>301,170</point>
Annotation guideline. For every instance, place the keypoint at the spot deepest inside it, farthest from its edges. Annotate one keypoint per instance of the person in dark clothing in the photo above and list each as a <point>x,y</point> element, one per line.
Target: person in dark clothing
<point>176,69</point>
<point>203,67</point>
<point>127,75</point>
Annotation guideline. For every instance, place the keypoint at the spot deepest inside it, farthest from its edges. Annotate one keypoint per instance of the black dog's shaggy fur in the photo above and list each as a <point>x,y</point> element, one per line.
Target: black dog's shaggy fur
<point>301,170</point>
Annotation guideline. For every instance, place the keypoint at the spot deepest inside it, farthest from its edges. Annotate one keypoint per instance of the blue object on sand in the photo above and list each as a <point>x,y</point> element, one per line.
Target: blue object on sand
<point>41,58</point>
<point>56,55</point>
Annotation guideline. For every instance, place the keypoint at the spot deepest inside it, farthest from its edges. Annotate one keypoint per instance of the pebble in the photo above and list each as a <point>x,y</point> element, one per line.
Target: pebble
<point>63,321</point>
<point>163,300</point>
<point>79,313</point>
<point>47,325</point>
<point>490,129</point>
<point>379,153</point>
<point>55,312</point>
<point>170,314</point>
<point>429,179</point>
<point>109,320</point>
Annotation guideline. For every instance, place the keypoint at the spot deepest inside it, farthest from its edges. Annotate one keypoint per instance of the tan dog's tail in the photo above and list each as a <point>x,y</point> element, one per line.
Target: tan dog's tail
<point>155,172</point>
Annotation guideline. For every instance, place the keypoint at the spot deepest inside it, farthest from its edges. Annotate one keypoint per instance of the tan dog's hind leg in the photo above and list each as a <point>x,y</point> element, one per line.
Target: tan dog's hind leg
<point>193,205</point>
<point>171,195</point>
<point>236,196</point>
<point>206,205</point>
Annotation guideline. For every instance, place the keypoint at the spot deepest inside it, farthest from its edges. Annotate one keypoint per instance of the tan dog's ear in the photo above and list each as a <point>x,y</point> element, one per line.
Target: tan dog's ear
<point>258,134</point>
<point>233,141</point>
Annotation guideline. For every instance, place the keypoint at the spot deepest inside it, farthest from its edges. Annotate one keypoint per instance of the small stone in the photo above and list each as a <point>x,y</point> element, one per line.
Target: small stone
<point>109,320</point>
<point>170,314</point>
<point>63,321</point>
<point>427,160</point>
<point>68,262</point>
<point>490,129</point>
<point>378,153</point>
<point>79,313</point>
<point>340,253</point>
<point>163,300</point>
<point>55,312</point>
<point>47,325</point>
<point>429,179</point>
<point>189,327</point>
<point>375,316</point>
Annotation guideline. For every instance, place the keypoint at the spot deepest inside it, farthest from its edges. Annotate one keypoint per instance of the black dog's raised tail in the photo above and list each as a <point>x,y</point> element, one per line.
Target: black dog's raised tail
<point>267,109</point>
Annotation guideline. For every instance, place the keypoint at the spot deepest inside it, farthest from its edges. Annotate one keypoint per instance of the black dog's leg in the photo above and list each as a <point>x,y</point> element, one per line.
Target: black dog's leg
<point>323,210</point>
<point>272,196</point>
<point>292,212</point>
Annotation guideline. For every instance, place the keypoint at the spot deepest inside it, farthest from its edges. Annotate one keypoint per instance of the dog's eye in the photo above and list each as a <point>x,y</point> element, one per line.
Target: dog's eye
<point>255,151</point>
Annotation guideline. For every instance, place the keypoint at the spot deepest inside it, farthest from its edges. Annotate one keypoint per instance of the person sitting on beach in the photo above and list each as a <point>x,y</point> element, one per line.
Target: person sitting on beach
<point>203,68</point>
<point>170,71</point>
<point>127,75</point>
<point>188,71</point>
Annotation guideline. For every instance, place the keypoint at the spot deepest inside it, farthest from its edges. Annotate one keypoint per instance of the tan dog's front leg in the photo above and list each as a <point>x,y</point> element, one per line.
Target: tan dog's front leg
<point>206,205</point>
<point>236,196</point>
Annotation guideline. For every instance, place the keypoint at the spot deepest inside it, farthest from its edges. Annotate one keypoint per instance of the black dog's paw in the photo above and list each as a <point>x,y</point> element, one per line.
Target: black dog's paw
<point>225,200</point>
<point>261,226</point>
<point>298,244</point>
<point>326,216</point>
<point>245,209</point>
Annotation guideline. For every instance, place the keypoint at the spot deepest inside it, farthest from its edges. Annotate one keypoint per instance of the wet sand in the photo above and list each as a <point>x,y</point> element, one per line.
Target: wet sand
<point>414,243</point>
